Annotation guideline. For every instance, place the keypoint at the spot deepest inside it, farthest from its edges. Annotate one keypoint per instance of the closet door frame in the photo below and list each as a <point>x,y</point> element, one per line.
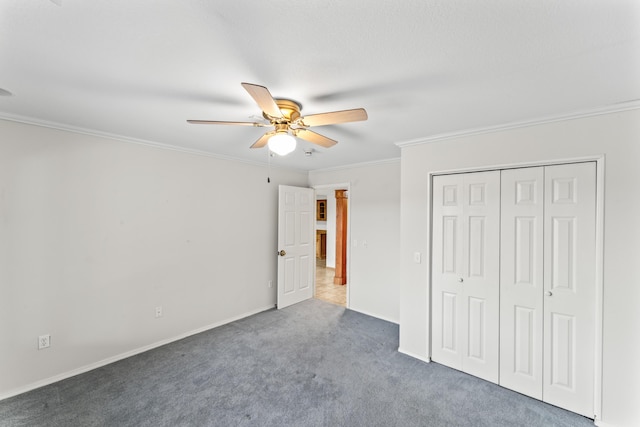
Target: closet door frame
<point>599,247</point>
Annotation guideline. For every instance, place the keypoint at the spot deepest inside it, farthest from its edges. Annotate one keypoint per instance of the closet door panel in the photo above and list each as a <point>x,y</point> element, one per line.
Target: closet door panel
<point>481,274</point>
<point>449,319</point>
<point>521,280</point>
<point>465,272</point>
<point>569,298</point>
<point>446,290</point>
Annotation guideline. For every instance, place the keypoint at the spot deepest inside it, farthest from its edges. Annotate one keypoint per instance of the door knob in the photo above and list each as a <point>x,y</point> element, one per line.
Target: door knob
<point>282,253</point>
<point>548,293</point>
<point>460,279</point>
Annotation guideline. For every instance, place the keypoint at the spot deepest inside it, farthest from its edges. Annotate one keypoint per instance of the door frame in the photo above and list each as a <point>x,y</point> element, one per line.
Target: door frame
<point>339,186</point>
<point>599,270</point>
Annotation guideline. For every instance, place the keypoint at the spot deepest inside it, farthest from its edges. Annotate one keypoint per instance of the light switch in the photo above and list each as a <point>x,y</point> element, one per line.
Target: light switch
<point>417,257</point>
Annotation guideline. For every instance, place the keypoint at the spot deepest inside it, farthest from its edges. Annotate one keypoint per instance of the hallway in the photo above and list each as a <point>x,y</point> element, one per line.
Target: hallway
<point>325,289</point>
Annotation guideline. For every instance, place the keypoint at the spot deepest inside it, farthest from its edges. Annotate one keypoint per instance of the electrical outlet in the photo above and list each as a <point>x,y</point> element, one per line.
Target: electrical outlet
<point>270,284</point>
<point>44,341</point>
<point>159,311</point>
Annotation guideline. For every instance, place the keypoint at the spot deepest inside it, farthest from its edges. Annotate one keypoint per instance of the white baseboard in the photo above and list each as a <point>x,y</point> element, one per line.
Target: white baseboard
<point>375,315</point>
<point>415,356</point>
<point>103,362</point>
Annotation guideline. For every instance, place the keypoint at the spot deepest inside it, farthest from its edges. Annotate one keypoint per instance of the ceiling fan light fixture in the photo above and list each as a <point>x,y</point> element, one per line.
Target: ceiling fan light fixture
<point>284,115</point>
<point>282,143</point>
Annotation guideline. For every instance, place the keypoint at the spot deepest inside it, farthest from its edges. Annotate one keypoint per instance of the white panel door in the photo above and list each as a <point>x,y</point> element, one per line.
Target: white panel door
<point>521,280</point>
<point>569,285</point>
<point>481,274</point>
<point>465,273</point>
<point>296,245</point>
<point>446,270</point>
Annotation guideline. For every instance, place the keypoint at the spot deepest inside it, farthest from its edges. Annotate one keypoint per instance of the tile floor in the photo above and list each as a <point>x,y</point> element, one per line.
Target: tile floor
<point>325,289</point>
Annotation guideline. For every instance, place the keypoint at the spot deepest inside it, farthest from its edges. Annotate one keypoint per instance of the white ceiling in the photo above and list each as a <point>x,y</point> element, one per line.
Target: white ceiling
<point>140,68</point>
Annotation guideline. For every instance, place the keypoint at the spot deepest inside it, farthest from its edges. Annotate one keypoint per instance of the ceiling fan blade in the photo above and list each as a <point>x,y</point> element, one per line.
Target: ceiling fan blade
<point>263,98</point>
<point>314,138</point>
<point>334,117</point>
<point>262,141</point>
<point>214,122</point>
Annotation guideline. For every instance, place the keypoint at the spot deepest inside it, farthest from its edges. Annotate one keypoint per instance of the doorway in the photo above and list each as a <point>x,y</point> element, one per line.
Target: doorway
<point>332,227</point>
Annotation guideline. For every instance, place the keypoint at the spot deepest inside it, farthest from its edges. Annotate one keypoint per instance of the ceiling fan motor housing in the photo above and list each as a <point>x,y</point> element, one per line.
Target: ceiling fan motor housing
<point>290,110</point>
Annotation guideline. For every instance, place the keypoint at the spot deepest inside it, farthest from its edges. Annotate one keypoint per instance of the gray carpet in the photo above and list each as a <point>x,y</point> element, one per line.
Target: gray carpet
<point>312,364</point>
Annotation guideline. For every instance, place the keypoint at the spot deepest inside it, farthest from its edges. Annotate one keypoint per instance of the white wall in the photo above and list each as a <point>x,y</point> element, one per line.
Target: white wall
<point>617,136</point>
<point>374,206</point>
<point>95,233</point>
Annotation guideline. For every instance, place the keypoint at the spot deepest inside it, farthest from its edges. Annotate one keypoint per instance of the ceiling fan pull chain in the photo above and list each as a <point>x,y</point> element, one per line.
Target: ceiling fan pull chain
<point>268,165</point>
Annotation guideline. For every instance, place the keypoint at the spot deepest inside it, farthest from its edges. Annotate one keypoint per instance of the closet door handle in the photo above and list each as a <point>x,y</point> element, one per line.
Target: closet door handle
<point>460,279</point>
<point>548,293</point>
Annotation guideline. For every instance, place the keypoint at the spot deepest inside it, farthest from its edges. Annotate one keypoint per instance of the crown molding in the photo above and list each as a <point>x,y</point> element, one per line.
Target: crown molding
<point>358,165</point>
<point>615,108</point>
<point>159,145</point>
<point>138,141</point>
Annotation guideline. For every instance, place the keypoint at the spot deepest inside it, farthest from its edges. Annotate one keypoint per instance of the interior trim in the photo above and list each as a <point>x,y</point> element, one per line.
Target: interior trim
<point>615,108</point>
<point>359,165</point>
<point>122,138</point>
<point>121,356</point>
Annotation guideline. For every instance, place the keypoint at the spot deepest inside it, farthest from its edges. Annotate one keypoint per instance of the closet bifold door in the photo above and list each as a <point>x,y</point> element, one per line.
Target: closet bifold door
<point>465,272</point>
<point>547,284</point>
<point>570,287</point>
<point>521,280</point>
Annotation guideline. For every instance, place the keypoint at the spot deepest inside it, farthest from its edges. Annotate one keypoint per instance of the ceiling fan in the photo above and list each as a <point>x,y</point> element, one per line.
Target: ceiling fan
<point>284,115</point>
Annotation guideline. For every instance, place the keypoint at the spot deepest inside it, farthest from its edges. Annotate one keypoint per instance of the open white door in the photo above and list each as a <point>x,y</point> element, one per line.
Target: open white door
<point>296,245</point>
